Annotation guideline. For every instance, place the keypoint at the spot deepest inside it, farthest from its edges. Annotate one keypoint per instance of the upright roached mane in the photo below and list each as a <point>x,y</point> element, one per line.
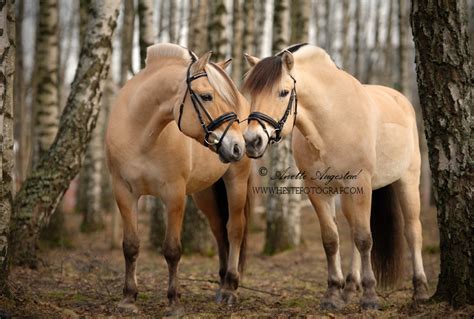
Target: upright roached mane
<point>218,79</point>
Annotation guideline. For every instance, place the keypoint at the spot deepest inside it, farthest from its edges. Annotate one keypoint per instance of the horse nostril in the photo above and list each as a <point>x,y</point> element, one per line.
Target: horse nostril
<point>258,142</point>
<point>237,151</point>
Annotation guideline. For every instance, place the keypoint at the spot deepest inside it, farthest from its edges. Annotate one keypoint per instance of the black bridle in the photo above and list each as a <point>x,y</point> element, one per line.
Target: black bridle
<point>229,117</point>
<point>263,118</point>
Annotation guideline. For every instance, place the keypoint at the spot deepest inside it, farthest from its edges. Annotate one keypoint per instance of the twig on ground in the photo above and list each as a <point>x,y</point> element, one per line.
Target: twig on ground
<point>241,286</point>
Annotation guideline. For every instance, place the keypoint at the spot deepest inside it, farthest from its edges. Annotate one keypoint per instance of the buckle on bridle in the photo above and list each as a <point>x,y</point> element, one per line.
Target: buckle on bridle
<point>211,135</point>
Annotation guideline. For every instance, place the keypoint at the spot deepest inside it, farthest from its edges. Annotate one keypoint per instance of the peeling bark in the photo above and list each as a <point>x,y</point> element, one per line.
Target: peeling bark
<point>445,83</point>
<point>43,189</point>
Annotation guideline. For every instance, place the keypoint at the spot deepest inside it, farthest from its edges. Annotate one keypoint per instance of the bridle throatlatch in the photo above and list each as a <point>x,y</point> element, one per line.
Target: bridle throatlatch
<point>263,118</point>
<point>210,137</point>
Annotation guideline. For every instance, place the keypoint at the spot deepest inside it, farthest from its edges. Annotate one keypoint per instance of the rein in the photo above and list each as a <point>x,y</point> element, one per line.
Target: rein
<point>229,117</point>
<point>263,118</point>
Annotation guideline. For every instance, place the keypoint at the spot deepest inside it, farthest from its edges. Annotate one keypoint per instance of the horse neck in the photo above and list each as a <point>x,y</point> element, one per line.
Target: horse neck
<point>152,103</point>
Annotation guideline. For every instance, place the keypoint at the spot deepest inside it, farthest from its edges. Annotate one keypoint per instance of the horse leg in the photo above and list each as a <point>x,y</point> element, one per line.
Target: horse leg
<point>206,201</point>
<point>127,204</point>
<point>358,206</point>
<point>326,211</point>
<point>352,284</point>
<point>409,197</point>
<point>174,200</point>
<point>236,187</point>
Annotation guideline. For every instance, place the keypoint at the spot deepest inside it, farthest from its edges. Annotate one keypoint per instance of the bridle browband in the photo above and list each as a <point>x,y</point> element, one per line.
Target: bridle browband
<point>263,118</point>
<point>229,117</point>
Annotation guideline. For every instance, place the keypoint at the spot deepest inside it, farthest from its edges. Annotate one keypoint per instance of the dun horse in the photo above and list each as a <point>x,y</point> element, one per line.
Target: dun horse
<point>342,127</point>
<point>154,144</point>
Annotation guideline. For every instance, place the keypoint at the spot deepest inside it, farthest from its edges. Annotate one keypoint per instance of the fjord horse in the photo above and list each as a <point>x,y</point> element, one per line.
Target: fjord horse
<point>173,131</point>
<point>342,126</point>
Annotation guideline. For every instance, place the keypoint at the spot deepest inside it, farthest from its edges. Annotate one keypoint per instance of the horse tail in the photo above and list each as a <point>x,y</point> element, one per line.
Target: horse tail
<point>386,223</point>
<point>249,204</point>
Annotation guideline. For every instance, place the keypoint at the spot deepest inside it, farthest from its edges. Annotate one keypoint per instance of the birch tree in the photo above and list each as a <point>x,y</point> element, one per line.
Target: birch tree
<point>444,74</point>
<point>126,41</point>
<point>237,40</point>
<point>146,33</point>
<point>197,36</point>
<point>216,29</point>
<point>7,189</point>
<point>43,189</point>
<point>283,215</point>
<point>47,89</point>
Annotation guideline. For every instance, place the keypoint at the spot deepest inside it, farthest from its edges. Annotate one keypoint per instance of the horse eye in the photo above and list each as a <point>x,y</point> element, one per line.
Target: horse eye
<point>206,97</point>
<point>283,93</point>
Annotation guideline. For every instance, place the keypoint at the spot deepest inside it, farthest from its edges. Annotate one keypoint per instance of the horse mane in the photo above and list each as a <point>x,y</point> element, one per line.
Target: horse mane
<point>217,77</point>
<point>268,72</point>
<point>159,51</point>
<point>222,83</point>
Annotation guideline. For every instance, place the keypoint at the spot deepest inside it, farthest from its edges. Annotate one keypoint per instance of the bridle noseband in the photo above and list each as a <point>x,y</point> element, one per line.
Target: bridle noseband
<point>229,117</point>
<point>263,118</point>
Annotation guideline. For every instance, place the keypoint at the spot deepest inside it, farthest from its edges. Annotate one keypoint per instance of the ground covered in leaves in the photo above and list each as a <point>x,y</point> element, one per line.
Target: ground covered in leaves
<point>86,280</point>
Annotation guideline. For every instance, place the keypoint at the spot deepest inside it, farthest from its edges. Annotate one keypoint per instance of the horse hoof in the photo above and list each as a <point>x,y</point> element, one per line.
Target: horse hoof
<point>369,304</point>
<point>226,297</point>
<point>175,310</point>
<point>421,292</point>
<point>331,304</point>
<point>126,305</point>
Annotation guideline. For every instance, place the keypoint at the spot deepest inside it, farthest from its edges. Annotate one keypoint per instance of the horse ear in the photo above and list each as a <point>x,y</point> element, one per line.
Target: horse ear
<point>224,64</point>
<point>251,60</point>
<point>288,60</point>
<point>199,65</point>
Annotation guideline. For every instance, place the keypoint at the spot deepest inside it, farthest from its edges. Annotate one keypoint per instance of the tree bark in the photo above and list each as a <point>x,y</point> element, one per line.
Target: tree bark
<point>346,20</point>
<point>43,189</point>
<point>237,41</point>
<point>300,11</point>
<point>197,237</point>
<point>147,35</point>
<point>283,213</point>
<point>21,159</point>
<point>445,83</point>
<point>388,71</point>
<point>126,41</point>
<point>402,82</point>
<point>47,72</point>
<point>357,40</point>
<point>172,21</point>
<point>197,37</point>
<point>249,34</point>
<point>7,189</point>
<point>216,30</point>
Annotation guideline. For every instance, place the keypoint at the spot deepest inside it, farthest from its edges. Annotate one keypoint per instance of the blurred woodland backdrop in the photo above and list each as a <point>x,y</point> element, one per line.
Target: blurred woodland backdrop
<point>371,39</point>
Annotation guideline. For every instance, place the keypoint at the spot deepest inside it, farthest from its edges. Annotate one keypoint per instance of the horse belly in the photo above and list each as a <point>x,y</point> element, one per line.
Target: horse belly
<point>394,150</point>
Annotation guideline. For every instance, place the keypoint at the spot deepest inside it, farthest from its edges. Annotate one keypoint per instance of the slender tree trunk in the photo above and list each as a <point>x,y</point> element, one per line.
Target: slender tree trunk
<point>346,20</point>
<point>197,237</point>
<point>357,40</point>
<point>445,82</point>
<point>403,82</point>
<point>147,35</point>
<point>47,92</point>
<point>249,34</point>
<point>283,224</point>
<point>128,22</point>
<point>157,222</point>
<point>21,160</point>
<point>300,11</point>
<point>43,189</point>
<point>388,70</point>
<point>375,52</point>
<point>197,37</point>
<point>259,27</point>
<point>216,29</point>
<point>172,21</point>
<point>237,41</point>
<point>7,159</point>
<point>328,26</point>
<point>161,21</point>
